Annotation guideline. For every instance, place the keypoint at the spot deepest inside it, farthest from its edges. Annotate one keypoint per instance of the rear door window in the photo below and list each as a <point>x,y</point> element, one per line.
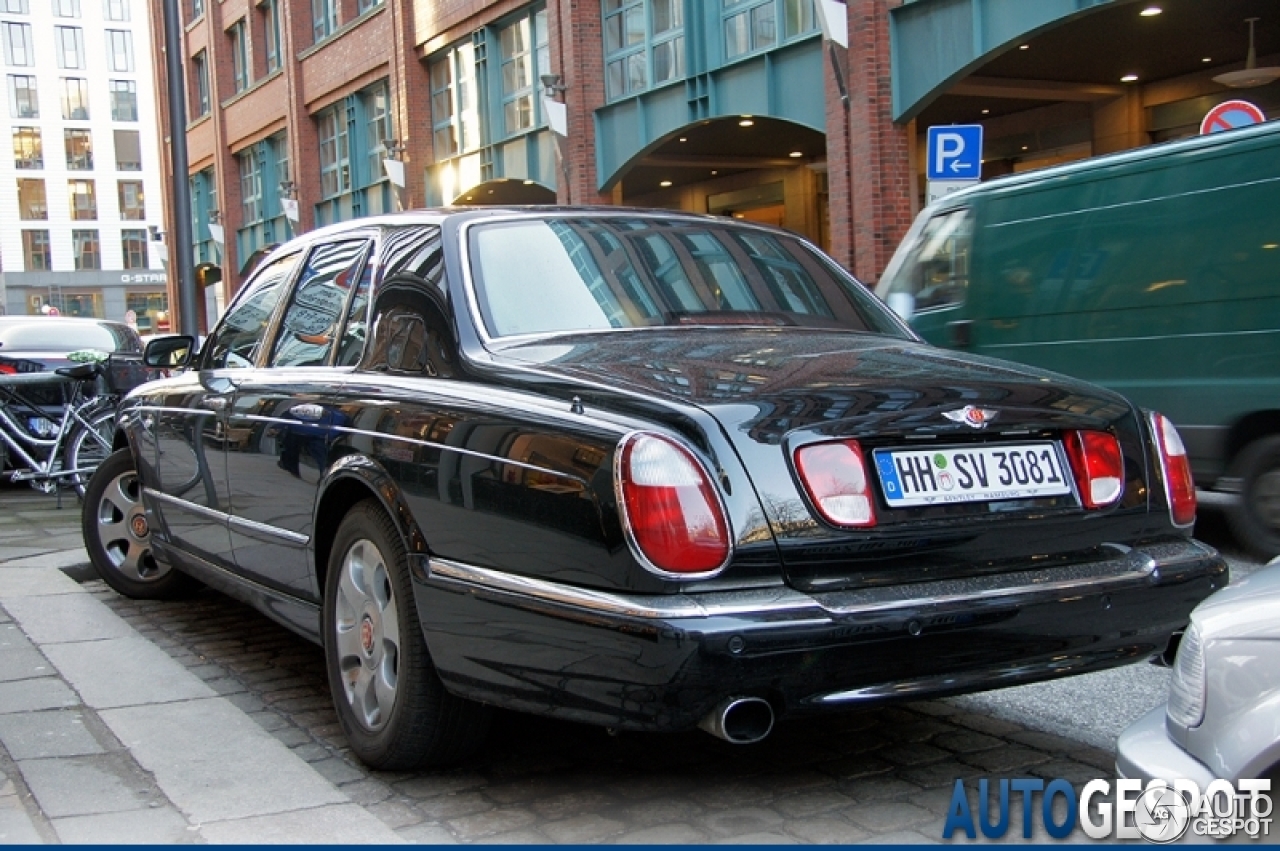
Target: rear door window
<point>314,318</point>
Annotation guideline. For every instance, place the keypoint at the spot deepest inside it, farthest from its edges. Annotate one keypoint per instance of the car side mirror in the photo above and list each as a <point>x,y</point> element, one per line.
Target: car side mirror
<point>169,352</point>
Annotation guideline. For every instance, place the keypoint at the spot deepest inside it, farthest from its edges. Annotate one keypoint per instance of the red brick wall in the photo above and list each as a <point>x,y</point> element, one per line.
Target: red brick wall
<point>577,53</point>
<point>880,205</point>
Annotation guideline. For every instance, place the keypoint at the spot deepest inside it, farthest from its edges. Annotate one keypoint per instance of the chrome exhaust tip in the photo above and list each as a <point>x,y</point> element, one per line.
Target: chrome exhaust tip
<point>740,720</point>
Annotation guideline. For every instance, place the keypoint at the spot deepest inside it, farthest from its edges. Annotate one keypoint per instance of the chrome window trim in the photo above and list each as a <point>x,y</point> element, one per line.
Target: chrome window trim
<point>229,519</point>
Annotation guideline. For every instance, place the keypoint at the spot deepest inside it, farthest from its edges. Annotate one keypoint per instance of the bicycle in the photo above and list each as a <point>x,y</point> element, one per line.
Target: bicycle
<point>65,448</point>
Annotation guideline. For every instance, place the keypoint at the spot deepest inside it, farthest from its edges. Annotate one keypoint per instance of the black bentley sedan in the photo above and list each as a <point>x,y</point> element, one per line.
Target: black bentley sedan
<point>644,470</point>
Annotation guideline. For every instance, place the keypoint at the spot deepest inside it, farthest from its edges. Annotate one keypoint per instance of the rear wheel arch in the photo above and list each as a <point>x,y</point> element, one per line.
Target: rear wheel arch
<point>356,480</point>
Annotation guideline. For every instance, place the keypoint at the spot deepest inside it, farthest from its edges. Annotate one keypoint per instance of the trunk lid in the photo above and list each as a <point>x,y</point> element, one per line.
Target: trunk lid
<point>772,392</point>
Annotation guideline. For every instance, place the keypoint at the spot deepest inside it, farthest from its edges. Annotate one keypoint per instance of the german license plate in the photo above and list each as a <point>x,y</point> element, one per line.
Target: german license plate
<point>911,477</point>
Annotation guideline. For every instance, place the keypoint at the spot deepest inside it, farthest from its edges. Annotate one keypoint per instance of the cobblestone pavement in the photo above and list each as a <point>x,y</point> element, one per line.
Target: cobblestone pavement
<point>883,775</point>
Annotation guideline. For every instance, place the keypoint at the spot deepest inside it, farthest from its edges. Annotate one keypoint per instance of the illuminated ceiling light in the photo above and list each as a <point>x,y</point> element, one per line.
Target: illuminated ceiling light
<point>1024,147</point>
<point>796,154</point>
<point>528,183</point>
<point>986,112</point>
<point>664,184</point>
<point>714,172</point>
<point>1151,11</point>
<point>1207,59</point>
<point>683,139</point>
<point>1129,78</point>
<point>1024,47</point>
<point>1271,246</point>
<point>747,121</point>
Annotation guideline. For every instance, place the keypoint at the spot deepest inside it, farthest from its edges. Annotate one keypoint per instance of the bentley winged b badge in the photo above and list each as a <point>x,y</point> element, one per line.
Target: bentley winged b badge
<point>971,416</point>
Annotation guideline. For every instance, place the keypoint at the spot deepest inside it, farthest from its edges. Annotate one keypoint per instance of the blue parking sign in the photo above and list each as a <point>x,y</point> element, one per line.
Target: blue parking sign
<point>955,152</point>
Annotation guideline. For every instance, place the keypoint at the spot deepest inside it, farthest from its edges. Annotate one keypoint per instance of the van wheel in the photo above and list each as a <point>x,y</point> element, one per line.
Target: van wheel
<point>1255,519</point>
<point>391,704</point>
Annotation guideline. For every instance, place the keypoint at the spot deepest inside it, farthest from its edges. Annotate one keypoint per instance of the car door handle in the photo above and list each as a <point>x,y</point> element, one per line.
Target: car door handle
<point>214,403</point>
<point>307,411</point>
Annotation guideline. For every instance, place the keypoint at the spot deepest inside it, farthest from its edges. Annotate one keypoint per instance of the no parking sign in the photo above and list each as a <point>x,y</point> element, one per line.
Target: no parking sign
<point>1230,115</point>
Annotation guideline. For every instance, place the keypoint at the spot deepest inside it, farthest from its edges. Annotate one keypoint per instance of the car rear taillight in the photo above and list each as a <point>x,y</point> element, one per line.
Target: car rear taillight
<point>1179,486</point>
<point>835,476</point>
<point>1098,466</point>
<point>8,369</point>
<point>670,506</point>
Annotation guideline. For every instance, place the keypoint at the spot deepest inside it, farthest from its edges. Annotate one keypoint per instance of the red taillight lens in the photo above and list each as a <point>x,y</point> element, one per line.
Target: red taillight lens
<point>671,506</point>
<point>8,369</point>
<point>835,475</point>
<point>1179,486</point>
<point>1098,466</point>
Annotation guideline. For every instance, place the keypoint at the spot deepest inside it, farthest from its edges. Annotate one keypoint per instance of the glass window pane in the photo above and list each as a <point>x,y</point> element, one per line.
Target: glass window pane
<point>637,73</point>
<point>613,34</point>
<point>634,25</point>
<point>736,36</point>
<point>313,316</point>
<point>764,21</point>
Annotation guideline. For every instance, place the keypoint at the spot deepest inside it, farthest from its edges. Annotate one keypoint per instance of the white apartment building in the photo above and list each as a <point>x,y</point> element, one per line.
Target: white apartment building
<point>80,196</point>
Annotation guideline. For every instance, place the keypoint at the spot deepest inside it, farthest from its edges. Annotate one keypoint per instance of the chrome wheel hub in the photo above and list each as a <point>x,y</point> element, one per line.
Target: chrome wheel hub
<point>124,532</point>
<point>367,634</point>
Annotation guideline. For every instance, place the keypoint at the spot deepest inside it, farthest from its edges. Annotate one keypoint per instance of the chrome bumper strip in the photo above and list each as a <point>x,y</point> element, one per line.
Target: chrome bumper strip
<point>1156,565</point>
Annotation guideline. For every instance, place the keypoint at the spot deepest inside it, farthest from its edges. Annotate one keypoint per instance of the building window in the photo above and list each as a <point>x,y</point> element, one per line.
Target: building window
<point>128,150</point>
<point>324,18</point>
<point>133,206</point>
<point>250,187</point>
<point>517,77</point>
<point>200,79</point>
<point>32,204</point>
<point>115,10</point>
<point>23,100</point>
<point>366,5</point>
<point>75,99</point>
<point>28,151</point>
<point>133,247</point>
<point>752,25</point>
<point>240,70</point>
<point>16,7</point>
<point>197,9</point>
<point>17,45</point>
<point>124,100</point>
<point>84,202</point>
<point>35,250</point>
<point>88,254</point>
<point>377,128</point>
<point>69,42</point>
<point>270,10</point>
<point>66,8</point>
<point>454,114</point>
<point>79,144</point>
<point>335,154</point>
<point>120,50</point>
<point>644,44</point>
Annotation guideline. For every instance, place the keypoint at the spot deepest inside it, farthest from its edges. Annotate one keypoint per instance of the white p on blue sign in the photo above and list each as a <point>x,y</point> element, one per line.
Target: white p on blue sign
<point>955,152</point>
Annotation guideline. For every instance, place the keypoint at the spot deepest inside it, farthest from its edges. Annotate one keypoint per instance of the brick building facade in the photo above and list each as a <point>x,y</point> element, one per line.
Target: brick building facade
<point>733,107</point>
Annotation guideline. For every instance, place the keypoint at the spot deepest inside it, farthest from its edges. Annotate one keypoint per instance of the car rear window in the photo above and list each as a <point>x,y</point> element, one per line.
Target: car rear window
<point>537,276</point>
<point>52,336</point>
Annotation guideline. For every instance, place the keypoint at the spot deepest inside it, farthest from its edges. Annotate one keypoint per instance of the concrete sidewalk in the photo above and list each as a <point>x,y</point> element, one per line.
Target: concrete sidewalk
<point>106,739</point>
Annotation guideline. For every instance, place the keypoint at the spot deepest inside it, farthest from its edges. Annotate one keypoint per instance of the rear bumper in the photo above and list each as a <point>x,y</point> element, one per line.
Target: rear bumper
<point>662,662</point>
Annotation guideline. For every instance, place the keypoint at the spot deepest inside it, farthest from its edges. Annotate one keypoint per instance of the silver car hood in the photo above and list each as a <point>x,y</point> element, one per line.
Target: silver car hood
<point>1248,609</point>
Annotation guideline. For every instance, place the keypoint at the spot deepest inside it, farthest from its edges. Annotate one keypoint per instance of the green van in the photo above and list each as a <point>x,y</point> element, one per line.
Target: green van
<point>1155,272</point>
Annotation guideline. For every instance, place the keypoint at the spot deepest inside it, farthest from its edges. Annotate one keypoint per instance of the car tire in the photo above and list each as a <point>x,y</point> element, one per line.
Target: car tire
<point>391,704</point>
<point>1255,518</point>
<point>117,537</point>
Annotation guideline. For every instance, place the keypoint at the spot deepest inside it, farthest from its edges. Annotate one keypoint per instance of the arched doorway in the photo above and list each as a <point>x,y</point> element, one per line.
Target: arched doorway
<point>753,167</point>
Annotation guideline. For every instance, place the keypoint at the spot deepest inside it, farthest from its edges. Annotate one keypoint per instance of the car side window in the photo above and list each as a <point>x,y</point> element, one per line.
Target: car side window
<point>312,321</point>
<point>238,338</point>
<point>935,272</point>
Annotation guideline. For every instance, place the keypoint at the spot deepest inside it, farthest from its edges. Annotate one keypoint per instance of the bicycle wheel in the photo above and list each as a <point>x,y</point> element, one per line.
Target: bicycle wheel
<point>88,447</point>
